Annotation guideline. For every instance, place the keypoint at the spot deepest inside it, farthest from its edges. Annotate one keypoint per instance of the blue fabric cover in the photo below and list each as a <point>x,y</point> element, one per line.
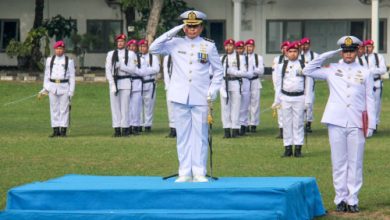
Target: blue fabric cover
<point>78,195</point>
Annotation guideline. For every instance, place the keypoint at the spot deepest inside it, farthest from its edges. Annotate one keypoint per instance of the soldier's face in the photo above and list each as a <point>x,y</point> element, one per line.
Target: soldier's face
<point>193,31</point>
<point>240,50</point>
<point>361,51</point>
<point>370,48</point>
<point>305,47</point>
<point>250,48</point>
<point>144,49</point>
<point>133,48</point>
<point>59,51</point>
<point>349,56</point>
<point>292,54</point>
<point>229,48</point>
<point>284,50</point>
<point>120,44</point>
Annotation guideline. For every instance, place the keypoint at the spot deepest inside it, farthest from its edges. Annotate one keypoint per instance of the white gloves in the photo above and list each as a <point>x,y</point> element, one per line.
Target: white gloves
<point>370,132</point>
<point>307,106</point>
<point>275,105</point>
<point>43,92</point>
<point>112,87</point>
<point>70,94</point>
<point>171,33</point>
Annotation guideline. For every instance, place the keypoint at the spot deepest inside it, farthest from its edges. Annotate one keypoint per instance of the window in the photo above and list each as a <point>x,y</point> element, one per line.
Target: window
<point>323,33</point>
<point>101,34</point>
<point>215,30</point>
<point>9,29</point>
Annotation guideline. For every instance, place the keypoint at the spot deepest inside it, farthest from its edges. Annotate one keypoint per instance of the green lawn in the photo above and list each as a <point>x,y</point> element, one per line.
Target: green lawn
<point>27,154</point>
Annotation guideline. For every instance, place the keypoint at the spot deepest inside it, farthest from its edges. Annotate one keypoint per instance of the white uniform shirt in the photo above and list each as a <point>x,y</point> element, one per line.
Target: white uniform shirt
<point>259,69</point>
<point>150,71</point>
<point>275,63</point>
<point>191,58</point>
<point>376,71</point>
<point>131,68</point>
<point>58,73</point>
<point>351,92</point>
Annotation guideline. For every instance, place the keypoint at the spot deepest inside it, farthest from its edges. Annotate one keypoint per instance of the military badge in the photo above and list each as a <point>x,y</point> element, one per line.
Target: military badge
<point>203,57</point>
<point>348,41</point>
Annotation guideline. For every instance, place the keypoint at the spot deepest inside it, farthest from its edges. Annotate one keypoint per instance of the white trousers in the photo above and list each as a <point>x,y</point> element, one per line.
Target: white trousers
<point>254,107</point>
<point>244,108</point>
<point>120,108</point>
<point>280,118</point>
<point>347,149</point>
<point>293,120</point>
<point>378,104</point>
<point>148,107</point>
<point>59,110</point>
<point>192,129</point>
<point>309,110</point>
<point>231,110</point>
<point>135,108</point>
<point>171,117</point>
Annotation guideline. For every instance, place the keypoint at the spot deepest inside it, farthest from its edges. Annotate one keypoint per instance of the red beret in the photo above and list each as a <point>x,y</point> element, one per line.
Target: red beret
<point>250,42</point>
<point>59,43</point>
<point>305,40</point>
<point>130,42</point>
<point>142,42</point>
<point>293,45</point>
<point>284,44</point>
<point>239,43</point>
<point>368,42</point>
<point>120,37</point>
<point>228,41</point>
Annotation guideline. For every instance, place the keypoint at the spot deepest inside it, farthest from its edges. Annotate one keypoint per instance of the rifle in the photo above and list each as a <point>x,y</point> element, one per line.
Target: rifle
<point>69,115</point>
<point>114,60</point>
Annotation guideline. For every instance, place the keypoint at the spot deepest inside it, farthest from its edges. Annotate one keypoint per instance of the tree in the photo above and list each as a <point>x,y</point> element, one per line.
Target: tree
<point>60,27</point>
<point>36,54</point>
<point>153,20</point>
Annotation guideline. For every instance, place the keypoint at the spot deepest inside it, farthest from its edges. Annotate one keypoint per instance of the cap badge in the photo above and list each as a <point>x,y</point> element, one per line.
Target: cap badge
<point>348,41</point>
<point>191,16</point>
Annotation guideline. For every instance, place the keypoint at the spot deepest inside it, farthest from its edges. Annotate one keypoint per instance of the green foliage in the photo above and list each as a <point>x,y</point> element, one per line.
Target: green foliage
<point>138,4</point>
<point>60,27</point>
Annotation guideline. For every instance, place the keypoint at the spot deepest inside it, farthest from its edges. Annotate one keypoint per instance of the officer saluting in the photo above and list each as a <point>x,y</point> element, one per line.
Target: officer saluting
<point>59,82</point>
<point>351,99</point>
<point>119,82</point>
<point>189,90</point>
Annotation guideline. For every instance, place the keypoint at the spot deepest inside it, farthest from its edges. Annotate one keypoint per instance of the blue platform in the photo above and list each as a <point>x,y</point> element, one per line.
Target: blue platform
<point>122,197</point>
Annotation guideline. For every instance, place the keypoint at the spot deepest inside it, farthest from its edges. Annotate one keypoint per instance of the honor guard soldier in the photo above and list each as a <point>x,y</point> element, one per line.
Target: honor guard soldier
<point>119,85</point>
<point>167,68</point>
<point>376,65</point>
<point>189,91</point>
<point>291,94</point>
<point>306,56</point>
<point>245,88</point>
<point>132,45</point>
<point>234,69</point>
<point>349,116</point>
<point>255,62</point>
<point>149,65</point>
<point>360,59</point>
<point>59,83</point>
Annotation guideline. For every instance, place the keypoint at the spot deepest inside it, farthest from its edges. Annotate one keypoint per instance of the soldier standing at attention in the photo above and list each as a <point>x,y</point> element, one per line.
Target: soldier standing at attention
<point>255,62</point>
<point>306,56</point>
<point>189,91</point>
<point>291,93</point>
<point>59,82</point>
<point>132,45</point>
<point>119,85</point>
<point>376,65</point>
<point>150,65</point>
<point>350,100</point>
<point>277,61</point>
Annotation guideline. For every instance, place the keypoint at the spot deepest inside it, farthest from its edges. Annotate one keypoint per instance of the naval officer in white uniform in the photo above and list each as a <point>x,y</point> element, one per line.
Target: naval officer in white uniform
<point>351,94</point>
<point>59,82</point>
<point>189,90</point>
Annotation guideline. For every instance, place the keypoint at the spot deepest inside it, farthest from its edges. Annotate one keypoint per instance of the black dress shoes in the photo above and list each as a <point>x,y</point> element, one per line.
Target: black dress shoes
<point>353,208</point>
<point>341,207</point>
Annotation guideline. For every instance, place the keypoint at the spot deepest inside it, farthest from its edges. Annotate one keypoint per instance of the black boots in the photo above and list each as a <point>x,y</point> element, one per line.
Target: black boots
<point>297,151</point>
<point>63,132</point>
<point>253,129</point>
<point>341,207</point>
<point>280,135</point>
<point>288,152</point>
<point>117,132</point>
<point>227,133</point>
<point>247,129</point>
<point>148,129</point>
<point>242,130</point>
<point>235,133</point>
<point>308,127</point>
<point>172,133</point>
<point>56,132</point>
<point>125,132</point>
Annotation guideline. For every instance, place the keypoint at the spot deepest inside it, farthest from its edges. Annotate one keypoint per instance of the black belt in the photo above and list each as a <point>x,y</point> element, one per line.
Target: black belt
<point>123,77</point>
<point>59,80</point>
<point>253,78</point>
<point>376,78</point>
<point>232,78</point>
<point>292,93</point>
<point>149,81</point>
<point>136,77</point>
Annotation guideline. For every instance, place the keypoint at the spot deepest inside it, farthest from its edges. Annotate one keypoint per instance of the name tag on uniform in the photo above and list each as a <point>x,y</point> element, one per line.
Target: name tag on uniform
<point>182,52</point>
<point>339,73</point>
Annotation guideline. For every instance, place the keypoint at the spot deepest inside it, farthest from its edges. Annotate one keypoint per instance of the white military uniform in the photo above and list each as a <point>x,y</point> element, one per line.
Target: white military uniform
<point>307,57</point>
<point>120,99</point>
<point>149,86</point>
<point>376,70</point>
<point>235,70</point>
<point>245,94</point>
<point>60,85</point>
<point>350,87</point>
<point>277,60</point>
<point>255,87</point>
<point>292,91</point>
<point>167,79</point>
<point>188,90</point>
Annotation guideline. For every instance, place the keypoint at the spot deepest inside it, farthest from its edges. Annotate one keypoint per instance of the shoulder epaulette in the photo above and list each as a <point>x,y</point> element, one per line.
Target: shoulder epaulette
<point>209,40</point>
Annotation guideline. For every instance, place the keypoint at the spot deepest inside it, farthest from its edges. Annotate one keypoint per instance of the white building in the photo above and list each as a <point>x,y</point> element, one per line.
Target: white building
<point>269,22</point>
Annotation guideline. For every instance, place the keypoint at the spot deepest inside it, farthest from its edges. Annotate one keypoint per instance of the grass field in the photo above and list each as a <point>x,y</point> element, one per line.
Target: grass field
<point>27,154</point>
